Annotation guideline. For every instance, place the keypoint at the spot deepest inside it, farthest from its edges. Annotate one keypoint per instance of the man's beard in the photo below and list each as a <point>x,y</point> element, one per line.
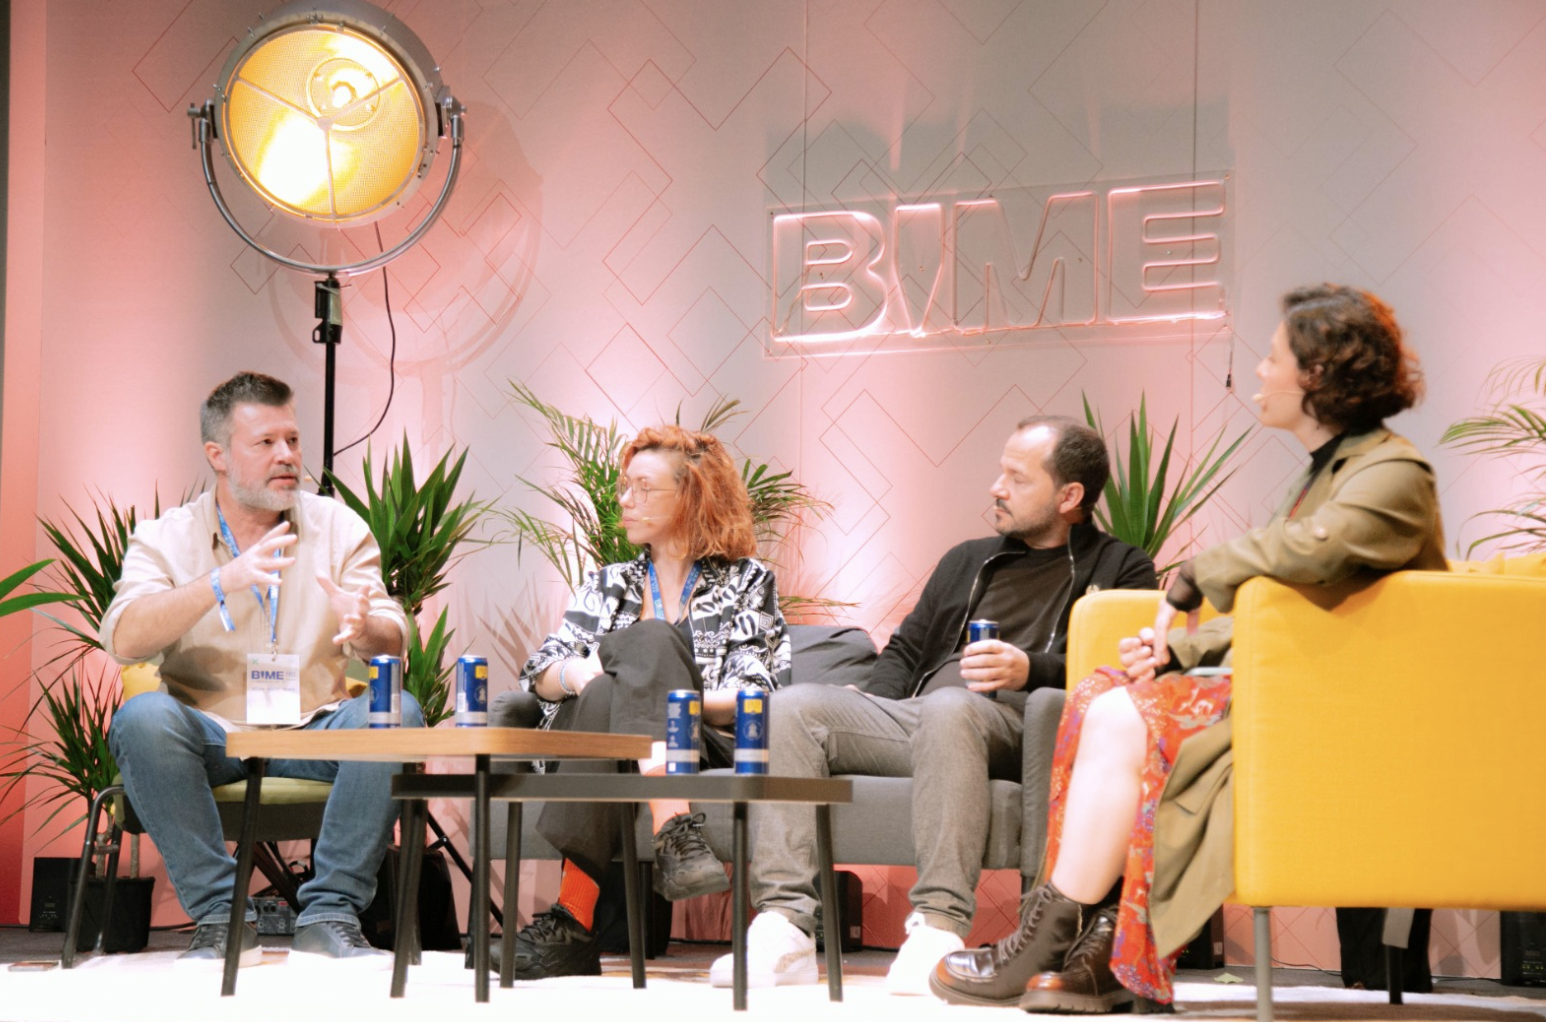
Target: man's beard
<point>1027,530</point>
<point>261,498</point>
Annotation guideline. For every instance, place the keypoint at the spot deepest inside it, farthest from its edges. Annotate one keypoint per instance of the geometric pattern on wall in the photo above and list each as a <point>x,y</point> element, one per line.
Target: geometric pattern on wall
<point>608,243</point>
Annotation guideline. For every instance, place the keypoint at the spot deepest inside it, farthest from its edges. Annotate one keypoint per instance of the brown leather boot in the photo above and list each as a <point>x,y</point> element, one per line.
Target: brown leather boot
<point>1086,985</point>
<point>1049,925</point>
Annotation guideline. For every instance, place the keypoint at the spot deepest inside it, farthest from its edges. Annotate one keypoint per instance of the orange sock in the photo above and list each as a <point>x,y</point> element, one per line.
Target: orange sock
<point>577,893</point>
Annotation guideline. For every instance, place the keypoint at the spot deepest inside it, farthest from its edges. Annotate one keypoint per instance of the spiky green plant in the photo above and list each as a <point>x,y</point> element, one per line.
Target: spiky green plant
<point>593,534</point>
<point>1134,506</point>
<point>1513,426</point>
<point>74,758</point>
<point>90,564</point>
<point>26,601</point>
<point>426,675</point>
<point>419,526</point>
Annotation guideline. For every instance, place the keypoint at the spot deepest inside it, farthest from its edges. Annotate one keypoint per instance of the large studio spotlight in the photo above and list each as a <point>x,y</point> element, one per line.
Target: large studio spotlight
<point>331,112</point>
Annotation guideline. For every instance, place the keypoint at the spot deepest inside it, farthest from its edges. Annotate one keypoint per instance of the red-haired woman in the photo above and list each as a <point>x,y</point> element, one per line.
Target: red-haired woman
<point>694,610</point>
<point>1336,369</point>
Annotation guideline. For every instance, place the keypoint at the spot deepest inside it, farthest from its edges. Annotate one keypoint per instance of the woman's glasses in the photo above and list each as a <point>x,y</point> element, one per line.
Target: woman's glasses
<point>641,491</point>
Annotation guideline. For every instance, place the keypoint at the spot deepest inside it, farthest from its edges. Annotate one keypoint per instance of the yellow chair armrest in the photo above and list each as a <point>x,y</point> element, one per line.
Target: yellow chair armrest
<point>140,678</point>
<point>1099,620</point>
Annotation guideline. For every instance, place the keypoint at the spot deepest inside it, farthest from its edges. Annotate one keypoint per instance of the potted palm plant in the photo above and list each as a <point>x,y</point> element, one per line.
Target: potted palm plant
<point>422,528</point>
<point>593,534</point>
<point>1512,426</point>
<point>1141,505</point>
<point>62,741</point>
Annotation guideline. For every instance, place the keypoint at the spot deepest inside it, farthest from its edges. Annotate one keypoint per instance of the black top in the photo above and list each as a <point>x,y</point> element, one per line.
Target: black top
<point>934,628</point>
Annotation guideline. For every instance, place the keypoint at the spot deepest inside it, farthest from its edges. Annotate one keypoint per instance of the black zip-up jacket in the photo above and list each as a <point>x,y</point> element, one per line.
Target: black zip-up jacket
<point>932,631</point>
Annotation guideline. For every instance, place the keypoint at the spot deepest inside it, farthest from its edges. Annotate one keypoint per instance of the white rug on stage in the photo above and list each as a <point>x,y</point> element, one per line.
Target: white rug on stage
<point>147,987</point>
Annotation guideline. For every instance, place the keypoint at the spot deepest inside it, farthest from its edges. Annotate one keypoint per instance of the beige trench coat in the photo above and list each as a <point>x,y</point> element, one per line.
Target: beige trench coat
<point>1375,510</point>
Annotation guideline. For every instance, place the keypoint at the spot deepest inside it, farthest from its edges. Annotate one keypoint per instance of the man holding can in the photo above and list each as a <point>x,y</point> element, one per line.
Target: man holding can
<point>941,706</point>
<point>255,596</point>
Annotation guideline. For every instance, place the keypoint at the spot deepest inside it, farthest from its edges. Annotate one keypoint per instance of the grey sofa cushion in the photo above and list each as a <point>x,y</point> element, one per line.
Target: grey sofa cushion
<point>831,655</point>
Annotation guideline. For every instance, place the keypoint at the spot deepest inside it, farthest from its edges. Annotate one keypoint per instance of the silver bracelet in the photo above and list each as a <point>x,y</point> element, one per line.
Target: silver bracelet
<point>562,684</point>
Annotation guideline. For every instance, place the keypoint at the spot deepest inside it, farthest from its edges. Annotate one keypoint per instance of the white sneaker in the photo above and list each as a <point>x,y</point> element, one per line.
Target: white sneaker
<point>778,953</point>
<point>920,952</point>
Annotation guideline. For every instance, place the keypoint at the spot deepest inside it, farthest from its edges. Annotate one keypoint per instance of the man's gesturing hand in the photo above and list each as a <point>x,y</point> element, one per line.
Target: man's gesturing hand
<point>350,607</point>
<point>260,564</point>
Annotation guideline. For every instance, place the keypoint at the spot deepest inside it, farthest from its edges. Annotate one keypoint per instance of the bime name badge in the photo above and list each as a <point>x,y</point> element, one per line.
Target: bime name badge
<point>273,688</point>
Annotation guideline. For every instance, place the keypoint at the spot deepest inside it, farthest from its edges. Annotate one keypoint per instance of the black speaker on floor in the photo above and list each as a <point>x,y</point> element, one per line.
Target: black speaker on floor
<point>438,928</point>
<point>53,882</point>
<point>850,895</point>
<point>1206,950</point>
<point>50,893</point>
<point>1523,946</point>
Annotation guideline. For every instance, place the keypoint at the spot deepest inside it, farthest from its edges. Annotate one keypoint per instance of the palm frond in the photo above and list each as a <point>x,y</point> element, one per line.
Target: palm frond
<point>1516,430</point>
<point>1140,505</point>
<point>74,713</point>
<point>421,527</point>
<point>589,532</point>
<point>426,675</point>
<point>16,604</point>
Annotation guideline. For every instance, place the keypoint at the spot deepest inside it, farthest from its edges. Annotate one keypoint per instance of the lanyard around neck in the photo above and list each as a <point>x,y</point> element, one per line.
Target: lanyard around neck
<point>687,587</point>
<point>273,589</point>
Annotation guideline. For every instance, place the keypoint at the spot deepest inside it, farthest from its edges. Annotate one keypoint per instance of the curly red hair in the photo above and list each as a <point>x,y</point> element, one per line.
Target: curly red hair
<point>713,509</point>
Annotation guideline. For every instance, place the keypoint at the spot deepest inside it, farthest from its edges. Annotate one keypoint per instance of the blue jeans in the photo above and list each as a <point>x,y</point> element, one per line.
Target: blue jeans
<point>171,755</point>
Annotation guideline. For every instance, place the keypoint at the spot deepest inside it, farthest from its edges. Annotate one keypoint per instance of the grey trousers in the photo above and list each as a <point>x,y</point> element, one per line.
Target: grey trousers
<point>951,742</point>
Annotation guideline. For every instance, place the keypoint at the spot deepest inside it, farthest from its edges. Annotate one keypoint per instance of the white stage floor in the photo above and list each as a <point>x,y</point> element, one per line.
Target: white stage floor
<point>148,987</point>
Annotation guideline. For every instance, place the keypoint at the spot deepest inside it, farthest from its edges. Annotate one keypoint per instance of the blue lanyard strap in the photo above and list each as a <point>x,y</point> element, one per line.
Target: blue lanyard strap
<point>687,587</point>
<point>273,590</point>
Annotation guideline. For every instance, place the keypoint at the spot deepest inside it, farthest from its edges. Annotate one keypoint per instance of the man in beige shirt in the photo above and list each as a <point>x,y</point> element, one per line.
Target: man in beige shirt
<point>255,597</point>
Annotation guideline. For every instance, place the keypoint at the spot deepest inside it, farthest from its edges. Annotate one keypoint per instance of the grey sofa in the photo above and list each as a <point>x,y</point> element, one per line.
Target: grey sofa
<point>876,829</point>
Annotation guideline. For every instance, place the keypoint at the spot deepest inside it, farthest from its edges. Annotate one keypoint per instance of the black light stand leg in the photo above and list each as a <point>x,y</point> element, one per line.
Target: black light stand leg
<point>329,308</point>
<point>443,840</point>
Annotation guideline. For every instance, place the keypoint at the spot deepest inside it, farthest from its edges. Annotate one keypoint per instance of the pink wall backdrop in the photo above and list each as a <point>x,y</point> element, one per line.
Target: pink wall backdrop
<point>609,246</point>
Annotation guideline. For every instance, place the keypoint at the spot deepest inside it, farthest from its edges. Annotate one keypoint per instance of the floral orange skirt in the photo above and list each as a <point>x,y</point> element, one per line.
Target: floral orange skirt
<point>1173,707</point>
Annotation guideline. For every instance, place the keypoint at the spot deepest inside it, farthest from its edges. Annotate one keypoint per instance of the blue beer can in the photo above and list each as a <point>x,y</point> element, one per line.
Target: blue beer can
<point>472,691</point>
<point>751,731</point>
<point>684,717</point>
<point>386,691</point>
<point>982,629</point>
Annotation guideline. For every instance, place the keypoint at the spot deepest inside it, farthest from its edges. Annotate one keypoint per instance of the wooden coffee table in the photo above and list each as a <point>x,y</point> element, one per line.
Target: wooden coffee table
<point>412,746</point>
<point>738,789</point>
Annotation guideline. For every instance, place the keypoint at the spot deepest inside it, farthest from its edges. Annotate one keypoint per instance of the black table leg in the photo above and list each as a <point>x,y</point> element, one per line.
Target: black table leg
<point>480,852</point>
<point>243,878</point>
<point>512,915</point>
<point>632,894</point>
<point>413,878</point>
<point>740,895</point>
<point>831,911</point>
<point>405,950</point>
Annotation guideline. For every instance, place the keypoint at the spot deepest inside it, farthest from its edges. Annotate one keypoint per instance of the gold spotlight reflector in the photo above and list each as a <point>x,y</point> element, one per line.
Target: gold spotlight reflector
<point>331,111</point>
<point>327,111</point>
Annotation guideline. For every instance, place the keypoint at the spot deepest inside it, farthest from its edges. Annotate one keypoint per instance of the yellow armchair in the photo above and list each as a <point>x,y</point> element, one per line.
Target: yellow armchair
<point>1381,739</point>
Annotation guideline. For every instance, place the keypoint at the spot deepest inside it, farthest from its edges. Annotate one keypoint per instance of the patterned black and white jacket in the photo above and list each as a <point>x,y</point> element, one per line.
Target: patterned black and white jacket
<point>739,638</point>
